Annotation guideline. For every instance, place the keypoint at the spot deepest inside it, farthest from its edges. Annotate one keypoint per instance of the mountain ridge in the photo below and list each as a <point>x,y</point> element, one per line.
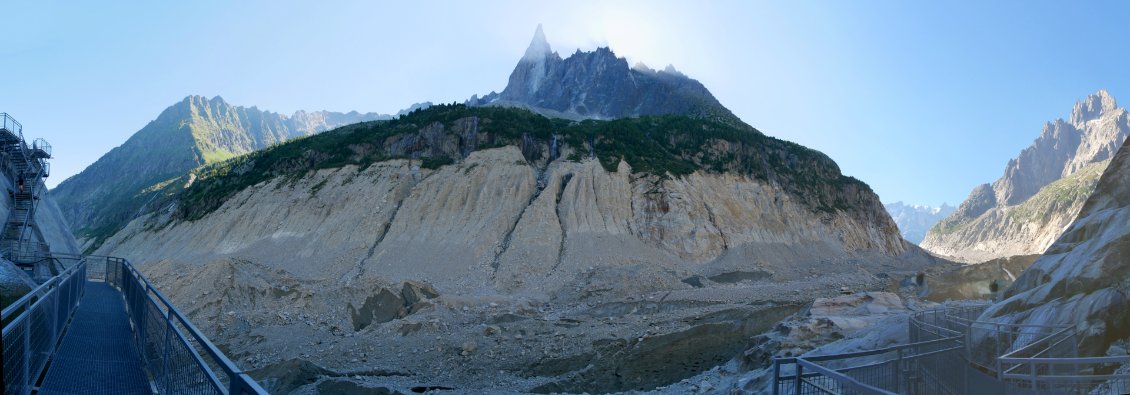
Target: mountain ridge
<point>190,133</point>
<point>1018,214</point>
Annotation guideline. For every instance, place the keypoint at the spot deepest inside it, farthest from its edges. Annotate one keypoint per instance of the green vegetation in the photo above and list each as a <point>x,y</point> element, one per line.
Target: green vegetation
<point>950,225</point>
<point>666,146</point>
<point>1059,195</point>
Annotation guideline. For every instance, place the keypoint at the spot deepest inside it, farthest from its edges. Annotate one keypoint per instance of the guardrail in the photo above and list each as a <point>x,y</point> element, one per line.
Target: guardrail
<point>41,144</point>
<point>10,124</point>
<point>180,359</point>
<point>920,367</point>
<point>996,358</point>
<point>891,370</point>
<point>33,326</point>
<point>987,342</point>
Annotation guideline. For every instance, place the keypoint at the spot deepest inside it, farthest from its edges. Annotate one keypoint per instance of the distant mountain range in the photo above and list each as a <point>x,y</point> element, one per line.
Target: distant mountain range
<point>599,85</point>
<point>193,132</point>
<point>914,220</point>
<point>1041,191</point>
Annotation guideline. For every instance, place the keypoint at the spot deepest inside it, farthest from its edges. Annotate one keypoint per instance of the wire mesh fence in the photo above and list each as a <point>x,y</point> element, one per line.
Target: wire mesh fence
<point>179,358</point>
<point>33,326</point>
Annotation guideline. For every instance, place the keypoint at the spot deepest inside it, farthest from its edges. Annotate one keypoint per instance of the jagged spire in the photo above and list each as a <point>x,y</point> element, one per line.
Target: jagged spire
<point>1094,106</point>
<point>539,47</point>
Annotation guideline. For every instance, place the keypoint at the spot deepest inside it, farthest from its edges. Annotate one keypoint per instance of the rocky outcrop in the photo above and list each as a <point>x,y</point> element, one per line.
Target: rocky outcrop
<point>195,131</point>
<point>1041,190</point>
<point>599,85</point>
<point>914,220</point>
<point>1081,280</point>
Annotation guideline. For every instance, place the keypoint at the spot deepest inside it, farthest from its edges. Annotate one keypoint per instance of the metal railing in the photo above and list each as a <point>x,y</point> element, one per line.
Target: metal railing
<point>179,358</point>
<point>22,235</point>
<point>10,124</point>
<point>41,144</point>
<point>898,369</point>
<point>988,342</point>
<point>34,324</point>
<point>968,356</point>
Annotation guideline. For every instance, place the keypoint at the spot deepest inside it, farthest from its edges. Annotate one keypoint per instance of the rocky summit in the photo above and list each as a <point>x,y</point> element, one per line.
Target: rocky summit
<point>1041,191</point>
<point>599,85</point>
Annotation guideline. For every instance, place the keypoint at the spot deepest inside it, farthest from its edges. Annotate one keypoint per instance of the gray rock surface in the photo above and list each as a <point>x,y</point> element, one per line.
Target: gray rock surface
<point>1082,278</point>
<point>599,85</point>
<point>1041,190</point>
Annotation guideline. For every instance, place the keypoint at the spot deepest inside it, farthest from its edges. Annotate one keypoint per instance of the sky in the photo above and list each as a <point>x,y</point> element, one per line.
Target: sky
<point>921,100</point>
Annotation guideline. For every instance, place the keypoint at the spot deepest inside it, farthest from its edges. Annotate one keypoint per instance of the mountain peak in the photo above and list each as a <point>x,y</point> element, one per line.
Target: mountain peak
<point>1093,107</point>
<point>539,47</point>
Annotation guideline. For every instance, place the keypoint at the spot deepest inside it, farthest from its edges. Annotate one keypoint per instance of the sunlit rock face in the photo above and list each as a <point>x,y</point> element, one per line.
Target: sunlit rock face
<point>1041,191</point>
<point>1082,279</point>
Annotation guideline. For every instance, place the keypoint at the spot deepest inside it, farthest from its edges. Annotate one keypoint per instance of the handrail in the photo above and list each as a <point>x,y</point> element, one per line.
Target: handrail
<point>856,354</point>
<point>44,310</point>
<point>139,292</point>
<point>847,381</point>
<point>7,122</point>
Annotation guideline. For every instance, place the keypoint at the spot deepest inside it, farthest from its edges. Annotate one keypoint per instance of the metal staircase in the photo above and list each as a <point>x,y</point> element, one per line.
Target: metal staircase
<point>26,167</point>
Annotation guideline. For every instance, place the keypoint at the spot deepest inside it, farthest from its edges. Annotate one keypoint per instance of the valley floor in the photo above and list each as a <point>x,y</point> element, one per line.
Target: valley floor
<point>505,344</point>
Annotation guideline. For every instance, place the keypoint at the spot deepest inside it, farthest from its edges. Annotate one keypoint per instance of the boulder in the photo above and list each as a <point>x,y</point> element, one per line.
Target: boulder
<point>14,283</point>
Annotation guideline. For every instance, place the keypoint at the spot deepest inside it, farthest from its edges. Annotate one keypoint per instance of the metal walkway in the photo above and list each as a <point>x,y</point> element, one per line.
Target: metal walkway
<point>97,355</point>
<point>100,327</point>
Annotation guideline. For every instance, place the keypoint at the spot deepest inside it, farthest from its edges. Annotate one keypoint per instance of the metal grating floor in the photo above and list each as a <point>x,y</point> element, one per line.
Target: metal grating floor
<point>97,355</point>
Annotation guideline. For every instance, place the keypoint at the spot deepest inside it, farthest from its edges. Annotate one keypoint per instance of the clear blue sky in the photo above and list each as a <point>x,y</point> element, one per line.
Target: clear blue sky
<point>922,100</point>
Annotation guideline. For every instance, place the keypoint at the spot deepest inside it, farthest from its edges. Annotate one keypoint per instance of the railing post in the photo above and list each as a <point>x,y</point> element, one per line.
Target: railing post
<point>799,374</point>
<point>776,376</point>
<point>898,371</point>
<point>236,386</point>
<point>28,381</point>
<point>55,314</point>
<point>165,353</point>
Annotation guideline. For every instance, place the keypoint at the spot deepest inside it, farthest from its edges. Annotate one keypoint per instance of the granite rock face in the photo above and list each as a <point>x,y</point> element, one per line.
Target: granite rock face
<point>1081,280</point>
<point>1041,190</point>
<point>599,85</point>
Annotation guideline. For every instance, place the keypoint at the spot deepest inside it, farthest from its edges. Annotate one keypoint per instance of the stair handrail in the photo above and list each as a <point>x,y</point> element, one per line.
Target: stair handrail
<point>30,215</point>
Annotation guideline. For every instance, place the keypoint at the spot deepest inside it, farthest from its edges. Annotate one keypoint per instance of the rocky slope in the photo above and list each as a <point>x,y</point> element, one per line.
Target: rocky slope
<point>914,220</point>
<point>1081,280</point>
<point>1041,190</point>
<point>193,132</point>
<point>540,228</point>
<point>598,85</point>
